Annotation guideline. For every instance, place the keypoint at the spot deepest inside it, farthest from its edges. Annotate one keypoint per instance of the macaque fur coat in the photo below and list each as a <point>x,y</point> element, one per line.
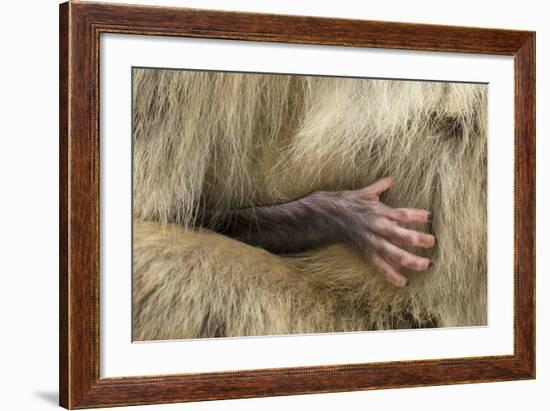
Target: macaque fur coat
<point>220,141</point>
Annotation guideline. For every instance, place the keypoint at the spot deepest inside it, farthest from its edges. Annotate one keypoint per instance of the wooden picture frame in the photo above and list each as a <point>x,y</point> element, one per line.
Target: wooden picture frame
<point>81,24</point>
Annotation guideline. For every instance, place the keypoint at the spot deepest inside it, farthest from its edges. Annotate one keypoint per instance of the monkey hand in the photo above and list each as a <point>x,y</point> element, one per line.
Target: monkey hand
<point>372,228</point>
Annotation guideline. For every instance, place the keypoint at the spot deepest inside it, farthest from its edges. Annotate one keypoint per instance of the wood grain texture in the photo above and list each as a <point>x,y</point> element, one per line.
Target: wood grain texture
<point>80,27</point>
<point>63,205</point>
<point>524,203</point>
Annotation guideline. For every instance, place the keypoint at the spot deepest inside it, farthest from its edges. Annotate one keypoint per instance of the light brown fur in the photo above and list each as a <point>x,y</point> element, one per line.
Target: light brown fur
<point>227,140</point>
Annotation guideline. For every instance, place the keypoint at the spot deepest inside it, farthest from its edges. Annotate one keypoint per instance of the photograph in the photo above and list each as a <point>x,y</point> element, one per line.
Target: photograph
<point>269,204</point>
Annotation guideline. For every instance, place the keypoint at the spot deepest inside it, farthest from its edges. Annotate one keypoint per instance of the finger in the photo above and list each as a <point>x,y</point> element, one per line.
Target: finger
<point>400,256</point>
<point>391,274</point>
<point>404,236</point>
<point>408,215</point>
<point>375,189</point>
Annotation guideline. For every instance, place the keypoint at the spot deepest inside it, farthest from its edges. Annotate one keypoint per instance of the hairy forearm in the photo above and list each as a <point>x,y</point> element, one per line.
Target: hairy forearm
<point>295,226</point>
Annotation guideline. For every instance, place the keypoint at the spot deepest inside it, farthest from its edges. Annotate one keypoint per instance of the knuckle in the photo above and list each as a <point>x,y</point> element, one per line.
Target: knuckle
<point>369,241</point>
<point>414,239</point>
<point>400,213</point>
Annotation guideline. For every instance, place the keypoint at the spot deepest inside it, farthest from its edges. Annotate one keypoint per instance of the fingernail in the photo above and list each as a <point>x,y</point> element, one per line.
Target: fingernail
<point>431,264</point>
<point>430,217</point>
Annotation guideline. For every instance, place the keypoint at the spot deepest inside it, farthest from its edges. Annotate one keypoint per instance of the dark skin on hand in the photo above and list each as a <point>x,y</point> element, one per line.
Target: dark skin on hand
<point>354,217</point>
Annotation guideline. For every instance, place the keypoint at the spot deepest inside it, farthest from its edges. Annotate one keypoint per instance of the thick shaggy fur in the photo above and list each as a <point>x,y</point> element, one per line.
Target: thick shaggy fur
<point>220,141</point>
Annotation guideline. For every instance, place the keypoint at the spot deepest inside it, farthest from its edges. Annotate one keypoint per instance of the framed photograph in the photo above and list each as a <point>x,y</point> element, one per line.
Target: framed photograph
<point>259,205</point>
